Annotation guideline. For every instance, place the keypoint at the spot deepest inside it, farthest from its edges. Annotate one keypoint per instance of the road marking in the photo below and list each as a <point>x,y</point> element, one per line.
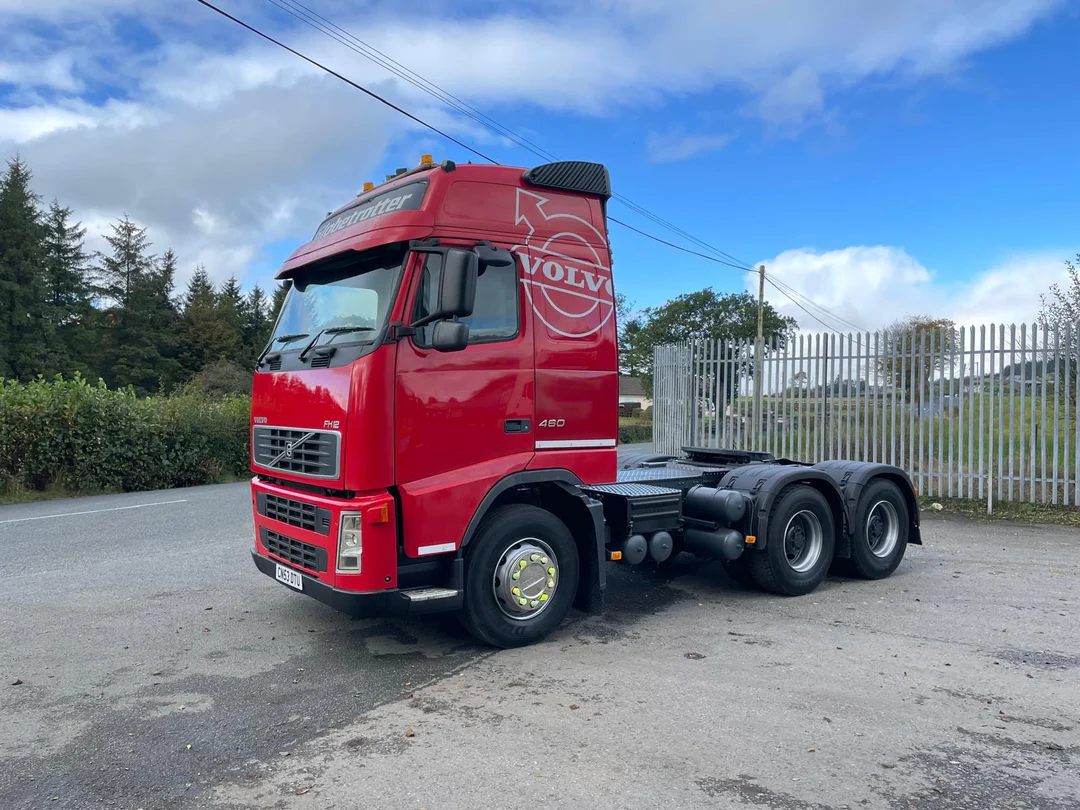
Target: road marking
<point>93,511</point>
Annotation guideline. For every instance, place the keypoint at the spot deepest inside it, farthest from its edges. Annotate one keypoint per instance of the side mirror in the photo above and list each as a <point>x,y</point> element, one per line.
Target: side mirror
<point>457,288</point>
<point>491,256</point>
<point>450,336</point>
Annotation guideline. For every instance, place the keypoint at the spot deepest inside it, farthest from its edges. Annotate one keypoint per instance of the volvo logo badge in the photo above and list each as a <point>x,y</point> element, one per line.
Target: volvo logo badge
<point>567,278</point>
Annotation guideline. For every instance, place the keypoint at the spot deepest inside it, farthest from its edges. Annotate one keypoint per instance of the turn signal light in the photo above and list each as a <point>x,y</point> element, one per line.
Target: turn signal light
<point>616,556</point>
<point>750,539</point>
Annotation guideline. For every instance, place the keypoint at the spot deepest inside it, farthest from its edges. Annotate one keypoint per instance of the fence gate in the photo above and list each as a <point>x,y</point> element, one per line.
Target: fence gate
<point>986,412</point>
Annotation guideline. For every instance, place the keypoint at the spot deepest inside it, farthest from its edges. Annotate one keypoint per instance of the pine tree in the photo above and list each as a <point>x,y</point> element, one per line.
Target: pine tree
<point>68,307</point>
<point>256,324</point>
<point>205,334</point>
<point>138,290</point>
<point>278,300</point>
<point>24,331</point>
<point>200,292</point>
<point>130,262</point>
<point>230,304</point>
<point>163,319</point>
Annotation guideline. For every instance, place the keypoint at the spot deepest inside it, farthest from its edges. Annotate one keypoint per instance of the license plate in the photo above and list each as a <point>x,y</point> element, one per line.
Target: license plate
<point>289,577</point>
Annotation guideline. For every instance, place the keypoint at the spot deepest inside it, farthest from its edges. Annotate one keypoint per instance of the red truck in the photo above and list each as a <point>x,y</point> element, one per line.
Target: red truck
<point>434,422</point>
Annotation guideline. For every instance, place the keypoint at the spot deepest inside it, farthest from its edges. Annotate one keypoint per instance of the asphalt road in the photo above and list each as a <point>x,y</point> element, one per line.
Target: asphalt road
<point>159,669</point>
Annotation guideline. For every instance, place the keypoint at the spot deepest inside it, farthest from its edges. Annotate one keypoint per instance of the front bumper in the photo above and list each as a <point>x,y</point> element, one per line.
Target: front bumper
<point>391,602</point>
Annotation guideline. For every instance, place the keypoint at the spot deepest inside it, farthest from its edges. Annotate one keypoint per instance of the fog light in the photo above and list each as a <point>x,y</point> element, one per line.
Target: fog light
<point>350,543</point>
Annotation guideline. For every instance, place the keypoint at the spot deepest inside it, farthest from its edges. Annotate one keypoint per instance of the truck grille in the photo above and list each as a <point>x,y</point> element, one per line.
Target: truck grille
<point>295,513</point>
<point>302,555</point>
<point>309,453</point>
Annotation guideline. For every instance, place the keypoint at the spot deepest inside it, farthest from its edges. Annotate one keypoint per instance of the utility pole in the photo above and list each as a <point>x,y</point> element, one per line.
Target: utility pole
<point>759,352</point>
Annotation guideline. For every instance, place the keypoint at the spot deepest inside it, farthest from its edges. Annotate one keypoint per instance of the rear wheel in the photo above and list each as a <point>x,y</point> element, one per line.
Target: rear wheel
<point>881,531</point>
<point>800,542</point>
<point>521,574</point>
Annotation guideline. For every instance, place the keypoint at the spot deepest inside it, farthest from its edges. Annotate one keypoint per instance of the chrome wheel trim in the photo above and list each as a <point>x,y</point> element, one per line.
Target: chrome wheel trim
<point>525,579</point>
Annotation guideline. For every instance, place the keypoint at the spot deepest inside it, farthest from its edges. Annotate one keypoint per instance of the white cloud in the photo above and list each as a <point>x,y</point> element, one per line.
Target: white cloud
<point>221,143</point>
<point>56,72</point>
<point>673,147</point>
<point>872,287</point>
<point>29,123</point>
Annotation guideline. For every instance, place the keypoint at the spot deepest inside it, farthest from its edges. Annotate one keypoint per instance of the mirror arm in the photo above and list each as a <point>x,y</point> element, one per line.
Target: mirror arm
<point>424,321</point>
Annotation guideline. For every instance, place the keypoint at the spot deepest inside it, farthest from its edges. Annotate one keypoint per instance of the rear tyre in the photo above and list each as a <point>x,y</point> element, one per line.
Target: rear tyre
<point>521,574</point>
<point>800,542</point>
<point>880,533</point>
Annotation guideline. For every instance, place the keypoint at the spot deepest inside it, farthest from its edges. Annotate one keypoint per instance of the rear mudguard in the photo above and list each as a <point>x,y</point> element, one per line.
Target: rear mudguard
<point>852,477</point>
<point>762,483</point>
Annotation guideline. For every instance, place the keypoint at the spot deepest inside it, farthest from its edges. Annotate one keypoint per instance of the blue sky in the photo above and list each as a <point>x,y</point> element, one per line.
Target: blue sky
<point>884,158</point>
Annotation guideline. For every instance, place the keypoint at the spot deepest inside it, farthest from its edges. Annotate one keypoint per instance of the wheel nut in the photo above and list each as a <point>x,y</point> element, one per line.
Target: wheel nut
<point>534,557</point>
<point>522,601</point>
<point>522,564</point>
<point>516,575</point>
<point>543,597</point>
<point>534,603</point>
<point>516,591</point>
<point>544,560</point>
<point>551,572</point>
<point>551,583</point>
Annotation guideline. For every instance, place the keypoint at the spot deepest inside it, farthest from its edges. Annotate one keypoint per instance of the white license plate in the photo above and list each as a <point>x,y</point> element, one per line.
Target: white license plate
<point>289,577</point>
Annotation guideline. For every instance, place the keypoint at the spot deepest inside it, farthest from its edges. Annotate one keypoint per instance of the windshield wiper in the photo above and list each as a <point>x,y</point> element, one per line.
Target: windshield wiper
<point>333,330</point>
<point>282,339</point>
<point>290,338</point>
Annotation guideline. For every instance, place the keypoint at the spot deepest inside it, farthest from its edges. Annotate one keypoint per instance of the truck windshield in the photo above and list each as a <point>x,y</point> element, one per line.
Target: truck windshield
<point>344,301</point>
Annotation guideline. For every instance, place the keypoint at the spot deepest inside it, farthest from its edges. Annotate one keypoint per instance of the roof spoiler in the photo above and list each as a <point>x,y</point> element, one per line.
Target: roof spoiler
<point>572,175</point>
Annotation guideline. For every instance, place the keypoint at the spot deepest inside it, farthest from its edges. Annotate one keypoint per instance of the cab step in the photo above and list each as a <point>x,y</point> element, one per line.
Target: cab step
<point>429,594</point>
<point>432,600</point>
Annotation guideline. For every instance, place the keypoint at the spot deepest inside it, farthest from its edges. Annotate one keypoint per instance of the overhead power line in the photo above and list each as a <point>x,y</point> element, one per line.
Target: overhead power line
<point>349,82</point>
<point>440,132</point>
<point>330,29</point>
<point>325,26</point>
<point>797,303</point>
<point>793,294</point>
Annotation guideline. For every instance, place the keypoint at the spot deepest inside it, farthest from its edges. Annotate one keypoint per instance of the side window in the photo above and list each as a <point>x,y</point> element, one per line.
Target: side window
<point>496,314</point>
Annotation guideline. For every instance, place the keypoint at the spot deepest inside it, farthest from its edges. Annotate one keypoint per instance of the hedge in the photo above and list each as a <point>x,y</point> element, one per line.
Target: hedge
<point>634,432</point>
<point>82,437</point>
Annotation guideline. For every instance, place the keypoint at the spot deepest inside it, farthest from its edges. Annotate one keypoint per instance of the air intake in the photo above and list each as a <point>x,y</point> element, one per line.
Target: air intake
<point>572,175</point>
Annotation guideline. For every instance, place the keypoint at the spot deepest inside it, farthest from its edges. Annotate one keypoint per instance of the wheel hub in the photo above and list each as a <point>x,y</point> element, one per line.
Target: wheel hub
<point>803,541</point>
<point>882,529</point>
<point>526,579</point>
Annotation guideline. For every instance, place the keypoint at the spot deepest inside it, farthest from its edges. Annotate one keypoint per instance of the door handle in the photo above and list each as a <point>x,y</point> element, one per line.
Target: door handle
<point>516,426</point>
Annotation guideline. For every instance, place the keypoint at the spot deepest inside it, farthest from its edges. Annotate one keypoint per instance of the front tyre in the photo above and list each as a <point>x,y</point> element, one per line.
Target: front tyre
<point>521,574</point>
<point>800,539</point>
<point>880,533</point>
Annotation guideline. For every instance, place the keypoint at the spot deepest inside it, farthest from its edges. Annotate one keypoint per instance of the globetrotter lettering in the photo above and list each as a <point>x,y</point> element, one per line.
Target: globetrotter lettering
<point>403,199</point>
<point>572,296</point>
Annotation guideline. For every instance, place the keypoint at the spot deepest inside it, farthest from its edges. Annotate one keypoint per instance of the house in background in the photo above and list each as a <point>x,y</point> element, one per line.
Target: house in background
<point>632,396</point>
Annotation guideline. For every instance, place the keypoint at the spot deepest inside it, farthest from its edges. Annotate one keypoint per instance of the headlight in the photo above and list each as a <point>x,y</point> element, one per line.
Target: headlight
<point>350,544</point>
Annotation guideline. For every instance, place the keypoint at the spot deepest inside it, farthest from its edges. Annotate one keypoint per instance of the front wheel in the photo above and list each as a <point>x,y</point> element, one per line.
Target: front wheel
<point>801,538</point>
<point>521,574</point>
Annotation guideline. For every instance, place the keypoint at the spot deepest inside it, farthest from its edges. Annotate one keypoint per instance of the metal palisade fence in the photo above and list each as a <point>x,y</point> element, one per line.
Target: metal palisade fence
<point>987,412</point>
